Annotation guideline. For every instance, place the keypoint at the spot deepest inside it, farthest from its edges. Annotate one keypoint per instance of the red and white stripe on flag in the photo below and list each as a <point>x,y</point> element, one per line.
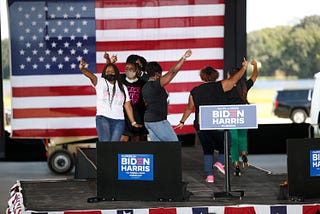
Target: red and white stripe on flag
<point>64,105</point>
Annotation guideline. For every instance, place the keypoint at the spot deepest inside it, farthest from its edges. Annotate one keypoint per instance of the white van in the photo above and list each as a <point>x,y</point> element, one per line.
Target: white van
<point>315,105</point>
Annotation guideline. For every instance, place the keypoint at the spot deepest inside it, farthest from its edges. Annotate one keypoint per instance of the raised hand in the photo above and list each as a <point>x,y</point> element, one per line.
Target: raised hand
<point>82,64</point>
<point>114,58</point>
<point>187,54</point>
<point>253,62</point>
<point>244,63</point>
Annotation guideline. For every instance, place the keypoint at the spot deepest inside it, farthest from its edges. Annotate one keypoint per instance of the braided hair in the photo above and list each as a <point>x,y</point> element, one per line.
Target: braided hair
<point>117,79</point>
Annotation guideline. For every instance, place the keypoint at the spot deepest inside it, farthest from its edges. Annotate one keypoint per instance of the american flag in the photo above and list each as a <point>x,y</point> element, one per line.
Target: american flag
<point>52,98</point>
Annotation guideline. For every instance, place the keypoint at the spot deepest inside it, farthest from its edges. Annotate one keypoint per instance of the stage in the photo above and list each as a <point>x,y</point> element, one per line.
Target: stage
<point>261,191</point>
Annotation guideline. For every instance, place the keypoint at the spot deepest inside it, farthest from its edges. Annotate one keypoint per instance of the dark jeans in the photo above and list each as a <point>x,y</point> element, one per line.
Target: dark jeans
<point>211,140</point>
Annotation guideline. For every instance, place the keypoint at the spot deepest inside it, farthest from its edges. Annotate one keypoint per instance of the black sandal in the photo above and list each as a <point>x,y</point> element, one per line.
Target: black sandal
<point>237,171</point>
<point>245,163</point>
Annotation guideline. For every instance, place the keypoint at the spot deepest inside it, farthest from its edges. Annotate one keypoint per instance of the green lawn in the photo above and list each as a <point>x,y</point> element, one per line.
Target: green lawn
<point>263,99</point>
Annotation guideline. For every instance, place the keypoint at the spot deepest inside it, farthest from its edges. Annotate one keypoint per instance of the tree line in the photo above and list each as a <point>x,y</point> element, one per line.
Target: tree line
<point>287,50</point>
<point>284,50</point>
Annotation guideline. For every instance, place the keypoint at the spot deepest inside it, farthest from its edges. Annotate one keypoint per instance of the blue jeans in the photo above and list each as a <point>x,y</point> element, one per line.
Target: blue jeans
<point>161,131</point>
<point>109,129</point>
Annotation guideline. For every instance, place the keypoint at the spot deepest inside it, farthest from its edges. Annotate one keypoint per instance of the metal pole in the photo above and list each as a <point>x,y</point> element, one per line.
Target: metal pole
<point>227,186</point>
<point>2,132</point>
<point>226,162</point>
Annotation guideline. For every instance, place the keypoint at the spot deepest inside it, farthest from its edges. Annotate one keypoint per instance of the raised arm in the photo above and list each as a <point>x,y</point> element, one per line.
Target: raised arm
<point>254,74</point>
<point>106,57</point>
<point>113,59</point>
<point>186,113</point>
<point>129,111</point>
<point>93,78</point>
<point>227,84</point>
<point>166,79</point>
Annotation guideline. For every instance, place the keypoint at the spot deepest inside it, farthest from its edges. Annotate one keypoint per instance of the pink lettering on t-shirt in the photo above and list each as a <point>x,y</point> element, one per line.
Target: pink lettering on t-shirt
<point>134,93</point>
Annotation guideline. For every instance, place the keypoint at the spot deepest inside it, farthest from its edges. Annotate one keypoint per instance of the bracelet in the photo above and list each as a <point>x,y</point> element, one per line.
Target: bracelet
<point>181,122</point>
<point>133,123</point>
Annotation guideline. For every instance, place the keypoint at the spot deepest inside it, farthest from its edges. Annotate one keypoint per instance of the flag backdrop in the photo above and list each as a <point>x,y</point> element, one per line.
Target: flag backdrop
<point>52,98</point>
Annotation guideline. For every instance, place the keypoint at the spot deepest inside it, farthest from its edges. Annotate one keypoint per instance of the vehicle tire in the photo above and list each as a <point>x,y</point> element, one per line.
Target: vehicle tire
<point>298,116</point>
<point>61,161</point>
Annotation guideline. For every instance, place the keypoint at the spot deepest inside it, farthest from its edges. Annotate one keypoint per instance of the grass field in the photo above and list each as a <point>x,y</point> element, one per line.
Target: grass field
<point>264,100</point>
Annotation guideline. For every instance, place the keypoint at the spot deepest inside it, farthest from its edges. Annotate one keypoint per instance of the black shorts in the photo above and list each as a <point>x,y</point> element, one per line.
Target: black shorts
<point>133,131</point>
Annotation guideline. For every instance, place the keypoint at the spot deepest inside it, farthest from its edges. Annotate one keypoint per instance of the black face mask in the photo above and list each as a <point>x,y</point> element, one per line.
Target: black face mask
<point>110,77</point>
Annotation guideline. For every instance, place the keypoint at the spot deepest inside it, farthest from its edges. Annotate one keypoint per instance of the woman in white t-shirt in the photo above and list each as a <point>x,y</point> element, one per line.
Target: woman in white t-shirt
<point>112,96</point>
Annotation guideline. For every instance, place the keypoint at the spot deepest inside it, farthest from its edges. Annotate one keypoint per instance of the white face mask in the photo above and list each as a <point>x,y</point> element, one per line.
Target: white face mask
<point>130,74</point>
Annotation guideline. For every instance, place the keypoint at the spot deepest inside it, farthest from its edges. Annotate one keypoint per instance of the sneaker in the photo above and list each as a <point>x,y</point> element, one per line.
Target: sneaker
<point>220,167</point>
<point>245,163</point>
<point>237,171</point>
<point>210,179</point>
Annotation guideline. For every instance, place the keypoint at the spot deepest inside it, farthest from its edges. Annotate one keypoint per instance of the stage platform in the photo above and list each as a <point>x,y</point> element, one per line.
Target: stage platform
<point>261,190</point>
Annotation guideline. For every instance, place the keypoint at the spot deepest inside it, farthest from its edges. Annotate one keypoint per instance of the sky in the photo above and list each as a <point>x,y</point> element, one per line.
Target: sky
<point>260,13</point>
<point>271,13</point>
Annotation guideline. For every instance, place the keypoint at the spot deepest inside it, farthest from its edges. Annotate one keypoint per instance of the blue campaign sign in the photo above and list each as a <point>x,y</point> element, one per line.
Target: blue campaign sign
<point>227,117</point>
<point>314,162</point>
<point>135,167</point>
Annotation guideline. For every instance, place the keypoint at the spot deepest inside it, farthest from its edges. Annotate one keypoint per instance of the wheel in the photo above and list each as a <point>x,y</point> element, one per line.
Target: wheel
<point>298,116</point>
<point>61,161</point>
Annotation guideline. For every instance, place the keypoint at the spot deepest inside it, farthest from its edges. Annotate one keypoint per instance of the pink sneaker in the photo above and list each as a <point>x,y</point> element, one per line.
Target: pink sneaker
<point>210,179</point>
<point>220,167</point>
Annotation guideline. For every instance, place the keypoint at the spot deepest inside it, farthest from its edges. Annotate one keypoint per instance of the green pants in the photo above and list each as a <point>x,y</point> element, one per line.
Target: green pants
<point>239,143</point>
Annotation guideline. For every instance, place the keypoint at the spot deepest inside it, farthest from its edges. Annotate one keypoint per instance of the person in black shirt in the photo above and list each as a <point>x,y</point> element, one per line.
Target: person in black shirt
<point>134,86</point>
<point>238,95</point>
<point>141,62</point>
<point>155,97</point>
<point>210,93</point>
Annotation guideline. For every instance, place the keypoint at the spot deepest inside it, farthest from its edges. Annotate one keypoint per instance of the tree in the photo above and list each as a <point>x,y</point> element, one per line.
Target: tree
<point>267,46</point>
<point>303,48</point>
<point>294,51</point>
<point>5,58</point>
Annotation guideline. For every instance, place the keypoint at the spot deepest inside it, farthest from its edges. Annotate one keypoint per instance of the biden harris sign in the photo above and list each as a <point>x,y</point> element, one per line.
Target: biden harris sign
<point>135,167</point>
<point>227,117</point>
<point>314,162</point>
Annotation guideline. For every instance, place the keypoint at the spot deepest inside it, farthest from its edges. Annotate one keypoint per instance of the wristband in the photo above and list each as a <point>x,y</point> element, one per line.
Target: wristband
<point>133,123</point>
<point>181,122</point>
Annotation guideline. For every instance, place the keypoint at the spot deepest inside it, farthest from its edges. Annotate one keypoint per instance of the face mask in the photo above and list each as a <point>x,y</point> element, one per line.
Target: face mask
<point>130,74</point>
<point>110,77</point>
